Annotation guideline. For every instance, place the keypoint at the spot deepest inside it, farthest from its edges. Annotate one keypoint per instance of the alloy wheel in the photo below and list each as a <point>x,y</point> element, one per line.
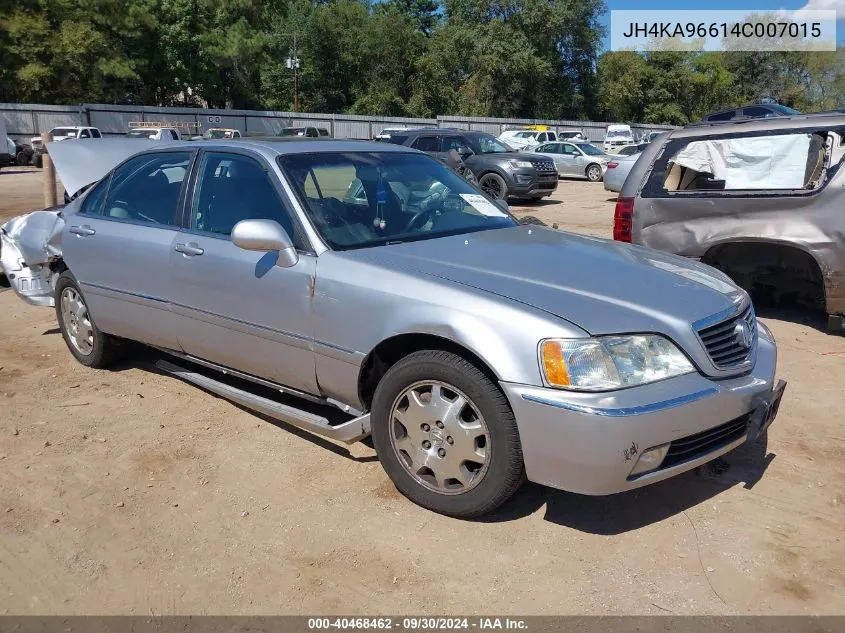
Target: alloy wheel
<point>440,437</point>
<point>77,322</point>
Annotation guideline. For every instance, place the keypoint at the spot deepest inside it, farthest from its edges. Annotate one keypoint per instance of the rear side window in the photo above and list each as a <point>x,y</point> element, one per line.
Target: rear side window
<point>778,162</point>
<point>93,202</point>
<point>721,116</point>
<point>757,112</point>
<point>85,134</point>
<point>146,188</point>
<point>427,144</point>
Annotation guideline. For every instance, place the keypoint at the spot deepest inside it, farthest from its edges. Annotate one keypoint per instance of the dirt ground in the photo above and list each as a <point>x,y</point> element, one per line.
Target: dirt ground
<point>126,491</point>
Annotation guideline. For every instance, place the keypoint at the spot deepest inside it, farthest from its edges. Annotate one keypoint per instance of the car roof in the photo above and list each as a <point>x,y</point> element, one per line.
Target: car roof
<point>799,121</point>
<point>274,145</point>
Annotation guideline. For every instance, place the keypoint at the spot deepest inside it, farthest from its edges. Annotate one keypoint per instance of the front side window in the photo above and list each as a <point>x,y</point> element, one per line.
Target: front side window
<point>146,188</point>
<point>93,202</point>
<point>231,188</point>
<point>488,144</point>
<point>569,150</point>
<point>542,137</point>
<point>427,144</point>
<point>452,143</point>
<point>96,133</point>
<point>84,134</point>
<point>772,162</point>
<point>362,199</point>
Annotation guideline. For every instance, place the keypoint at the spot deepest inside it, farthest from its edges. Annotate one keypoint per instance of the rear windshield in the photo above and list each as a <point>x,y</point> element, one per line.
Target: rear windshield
<point>142,133</point>
<point>63,131</point>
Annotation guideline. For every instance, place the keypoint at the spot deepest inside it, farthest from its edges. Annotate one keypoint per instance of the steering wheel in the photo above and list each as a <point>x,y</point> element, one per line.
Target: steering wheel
<point>422,213</point>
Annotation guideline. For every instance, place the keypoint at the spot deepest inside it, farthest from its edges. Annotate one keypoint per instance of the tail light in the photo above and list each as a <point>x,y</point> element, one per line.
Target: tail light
<point>612,165</point>
<point>623,217</point>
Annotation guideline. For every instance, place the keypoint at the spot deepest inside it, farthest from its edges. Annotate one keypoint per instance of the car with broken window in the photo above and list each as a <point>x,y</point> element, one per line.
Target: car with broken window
<point>477,352</point>
<point>761,200</point>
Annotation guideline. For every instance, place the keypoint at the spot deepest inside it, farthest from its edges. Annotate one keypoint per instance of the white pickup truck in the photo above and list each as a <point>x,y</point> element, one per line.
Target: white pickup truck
<point>66,132</point>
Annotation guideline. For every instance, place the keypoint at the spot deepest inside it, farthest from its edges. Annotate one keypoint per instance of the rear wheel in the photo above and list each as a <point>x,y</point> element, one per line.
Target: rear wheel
<point>593,173</point>
<point>494,186</point>
<point>445,435</point>
<point>86,342</point>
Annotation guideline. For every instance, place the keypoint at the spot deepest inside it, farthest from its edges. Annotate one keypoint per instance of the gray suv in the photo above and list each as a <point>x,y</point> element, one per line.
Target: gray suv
<point>502,172</point>
<point>760,199</point>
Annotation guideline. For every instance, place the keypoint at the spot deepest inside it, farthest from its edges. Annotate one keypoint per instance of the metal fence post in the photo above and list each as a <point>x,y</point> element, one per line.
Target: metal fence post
<point>48,171</point>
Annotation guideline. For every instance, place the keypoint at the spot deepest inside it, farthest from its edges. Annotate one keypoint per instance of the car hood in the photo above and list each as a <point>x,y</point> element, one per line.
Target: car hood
<point>602,286</point>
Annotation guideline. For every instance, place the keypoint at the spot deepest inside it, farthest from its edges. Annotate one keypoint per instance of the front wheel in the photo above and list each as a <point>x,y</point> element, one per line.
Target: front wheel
<point>494,186</point>
<point>445,435</point>
<point>593,173</point>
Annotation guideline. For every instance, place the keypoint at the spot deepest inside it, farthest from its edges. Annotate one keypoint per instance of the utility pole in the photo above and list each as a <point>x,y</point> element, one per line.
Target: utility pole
<point>292,63</point>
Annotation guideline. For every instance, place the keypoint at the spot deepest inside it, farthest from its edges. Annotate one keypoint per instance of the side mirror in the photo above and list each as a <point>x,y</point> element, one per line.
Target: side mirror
<point>465,151</point>
<point>265,236</point>
<point>502,205</point>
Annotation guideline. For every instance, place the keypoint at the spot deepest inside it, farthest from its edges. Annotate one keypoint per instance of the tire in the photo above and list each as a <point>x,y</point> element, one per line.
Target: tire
<point>593,172</point>
<point>494,186</point>
<point>97,349</point>
<point>486,483</point>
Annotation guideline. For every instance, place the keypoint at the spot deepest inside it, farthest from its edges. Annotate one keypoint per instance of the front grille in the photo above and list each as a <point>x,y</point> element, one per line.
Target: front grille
<point>724,341</point>
<point>543,165</point>
<point>694,446</point>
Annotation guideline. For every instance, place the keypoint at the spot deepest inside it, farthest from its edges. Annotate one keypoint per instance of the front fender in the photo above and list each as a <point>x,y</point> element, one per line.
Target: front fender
<point>357,305</point>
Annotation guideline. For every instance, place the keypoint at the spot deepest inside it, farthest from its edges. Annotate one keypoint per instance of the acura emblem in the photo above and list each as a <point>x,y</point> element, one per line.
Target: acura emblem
<point>742,334</point>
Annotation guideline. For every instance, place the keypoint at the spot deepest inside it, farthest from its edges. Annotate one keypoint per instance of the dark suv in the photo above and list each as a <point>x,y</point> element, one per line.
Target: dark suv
<point>754,111</point>
<point>501,171</point>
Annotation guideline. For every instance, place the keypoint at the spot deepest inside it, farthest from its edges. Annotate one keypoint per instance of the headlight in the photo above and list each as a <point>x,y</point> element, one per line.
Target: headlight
<point>521,164</point>
<point>610,362</point>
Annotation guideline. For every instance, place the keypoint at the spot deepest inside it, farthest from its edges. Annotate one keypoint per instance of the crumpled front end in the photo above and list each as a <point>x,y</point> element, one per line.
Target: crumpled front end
<point>30,246</point>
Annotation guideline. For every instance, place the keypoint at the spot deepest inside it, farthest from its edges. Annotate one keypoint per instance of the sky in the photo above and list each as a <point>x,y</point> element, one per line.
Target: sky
<point>715,5</point>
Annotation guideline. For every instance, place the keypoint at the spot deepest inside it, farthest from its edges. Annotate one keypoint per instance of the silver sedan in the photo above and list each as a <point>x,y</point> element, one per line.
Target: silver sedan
<point>477,352</point>
<point>617,171</point>
<point>576,159</point>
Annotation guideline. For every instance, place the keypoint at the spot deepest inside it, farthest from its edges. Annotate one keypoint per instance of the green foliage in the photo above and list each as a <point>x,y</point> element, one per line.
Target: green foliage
<point>508,58</point>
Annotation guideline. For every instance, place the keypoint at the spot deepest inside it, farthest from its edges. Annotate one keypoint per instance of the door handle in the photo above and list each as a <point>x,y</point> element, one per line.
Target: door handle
<point>82,231</point>
<point>191,249</point>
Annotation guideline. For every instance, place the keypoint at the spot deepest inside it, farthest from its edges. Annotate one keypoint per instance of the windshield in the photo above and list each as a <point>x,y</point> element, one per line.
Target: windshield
<point>361,199</point>
<point>63,131</point>
<point>524,135</point>
<point>483,143</point>
<point>589,150</point>
<point>142,133</point>
<point>619,134</point>
<point>291,131</point>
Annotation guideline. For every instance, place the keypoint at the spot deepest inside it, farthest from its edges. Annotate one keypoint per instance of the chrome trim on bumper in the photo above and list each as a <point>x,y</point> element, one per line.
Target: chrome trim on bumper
<point>625,411</point>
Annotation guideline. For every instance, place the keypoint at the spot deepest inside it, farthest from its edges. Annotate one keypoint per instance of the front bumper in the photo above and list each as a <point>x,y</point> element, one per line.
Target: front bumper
<point>530,183</point>
<point>589,443</point>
